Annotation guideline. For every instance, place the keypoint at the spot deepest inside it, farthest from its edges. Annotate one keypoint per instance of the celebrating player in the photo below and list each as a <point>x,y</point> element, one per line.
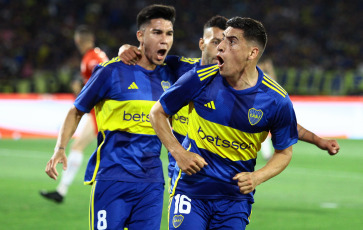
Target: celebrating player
<point>125,169</point>
<point>233,106</point>
<point>92,56</point>
<point>212,36</point>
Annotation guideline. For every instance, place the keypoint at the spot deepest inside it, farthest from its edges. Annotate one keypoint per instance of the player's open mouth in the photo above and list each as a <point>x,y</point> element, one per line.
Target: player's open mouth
<point>220,61</point>
<point>161,54</point>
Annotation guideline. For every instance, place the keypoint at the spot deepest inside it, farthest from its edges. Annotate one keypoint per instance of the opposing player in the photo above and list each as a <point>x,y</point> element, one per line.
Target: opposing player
<point>84,39</point>
<point>125,169</point>
<point>233,106</point>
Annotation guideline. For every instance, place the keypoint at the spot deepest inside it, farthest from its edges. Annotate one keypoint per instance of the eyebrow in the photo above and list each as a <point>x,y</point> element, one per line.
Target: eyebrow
<point>159,30</point>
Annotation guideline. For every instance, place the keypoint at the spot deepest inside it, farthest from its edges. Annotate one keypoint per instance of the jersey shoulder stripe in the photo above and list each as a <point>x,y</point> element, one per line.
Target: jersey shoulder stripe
<point>113,60</point>
<point>274,86</point>
<point>190,60</point>
<point>204,73</point>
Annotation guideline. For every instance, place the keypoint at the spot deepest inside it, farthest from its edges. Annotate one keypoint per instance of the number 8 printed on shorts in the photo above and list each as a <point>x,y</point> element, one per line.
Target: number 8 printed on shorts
<point>101,220</point>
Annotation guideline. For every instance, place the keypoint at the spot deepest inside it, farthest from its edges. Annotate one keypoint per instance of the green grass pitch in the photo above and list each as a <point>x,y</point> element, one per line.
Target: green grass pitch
<point>316,191</point>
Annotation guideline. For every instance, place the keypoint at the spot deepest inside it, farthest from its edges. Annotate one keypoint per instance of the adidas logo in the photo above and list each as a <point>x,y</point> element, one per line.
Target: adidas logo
<point>210,105</point>
<point>133,86</point>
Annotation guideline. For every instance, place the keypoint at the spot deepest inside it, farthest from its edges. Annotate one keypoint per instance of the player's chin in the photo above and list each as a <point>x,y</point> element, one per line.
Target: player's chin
<point>159,60</point>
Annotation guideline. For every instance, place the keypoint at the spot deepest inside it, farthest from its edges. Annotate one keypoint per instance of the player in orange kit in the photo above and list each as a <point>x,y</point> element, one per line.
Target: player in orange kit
<point>92,56</point>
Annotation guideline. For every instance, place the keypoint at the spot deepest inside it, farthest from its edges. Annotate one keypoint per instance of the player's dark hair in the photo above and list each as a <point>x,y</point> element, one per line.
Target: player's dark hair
<point>253,30</point>
<point>155,11</point>
<point>216,21</point>
<point>84,30</point>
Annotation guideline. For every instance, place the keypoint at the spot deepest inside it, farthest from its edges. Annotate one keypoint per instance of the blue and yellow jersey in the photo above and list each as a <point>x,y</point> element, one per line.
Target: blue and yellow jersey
<point>180,65</point>
<point>128,148</point>
<point>226,127</point>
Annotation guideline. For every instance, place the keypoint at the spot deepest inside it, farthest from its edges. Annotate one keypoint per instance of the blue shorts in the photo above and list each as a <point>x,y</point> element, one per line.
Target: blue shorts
<point>186,213</point>
<point>118,204</point>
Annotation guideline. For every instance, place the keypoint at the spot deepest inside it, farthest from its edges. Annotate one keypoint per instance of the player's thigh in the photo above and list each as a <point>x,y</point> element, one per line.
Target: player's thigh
<point>230,215</point>
<point>186,213</point>
<point>86,135</point>
<point>110,205</point>
<point>148,208</point>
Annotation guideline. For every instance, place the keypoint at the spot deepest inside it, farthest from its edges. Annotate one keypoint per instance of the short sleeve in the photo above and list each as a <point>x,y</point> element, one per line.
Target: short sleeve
<point>95,89</point>
<point>284,128</point>
<point>181,93</point>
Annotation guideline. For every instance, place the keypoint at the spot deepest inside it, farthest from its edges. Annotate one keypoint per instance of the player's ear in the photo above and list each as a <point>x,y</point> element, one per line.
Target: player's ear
<point>254,52</point>
<point>140,36</point>
<point>201,44</point>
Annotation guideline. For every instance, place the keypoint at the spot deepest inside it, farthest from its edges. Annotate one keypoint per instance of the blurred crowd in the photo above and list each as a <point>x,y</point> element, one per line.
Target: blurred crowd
<point>37,35</point>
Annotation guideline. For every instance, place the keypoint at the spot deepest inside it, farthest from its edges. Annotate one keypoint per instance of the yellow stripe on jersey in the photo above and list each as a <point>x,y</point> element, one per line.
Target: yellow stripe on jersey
<point>207,72</point>
<point>224,141</point>
<point>189,60</point>
<point>98,160</point>
<point>180,121</point>
<point>208,68</point>
<point>268,79</point>
<point>128,116</point>
<point>115,59</point>
<point>177,179</point>
<point>272,87</point>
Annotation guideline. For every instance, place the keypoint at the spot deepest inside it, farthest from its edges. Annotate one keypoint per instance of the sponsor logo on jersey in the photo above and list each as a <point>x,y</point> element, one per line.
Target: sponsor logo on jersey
<point>219,142</point>
<point>143,117</point>
<point>177,220</point>
<point>254,116</point>
<point>210,105</point>
<point>182,119</point>
<point>165,85</point>
<point>133,86</point>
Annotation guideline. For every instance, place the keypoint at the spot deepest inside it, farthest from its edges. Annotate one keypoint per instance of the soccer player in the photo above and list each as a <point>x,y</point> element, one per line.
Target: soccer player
<point>233,107</point>
<point>92,56</point>
<point>212,36</point>
<point>125,170</point>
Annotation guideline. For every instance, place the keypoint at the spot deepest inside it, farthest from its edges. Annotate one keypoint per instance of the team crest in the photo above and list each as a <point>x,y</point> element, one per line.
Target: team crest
<point>177,220</point>
<point>254,116</point>
<point>165,85</point>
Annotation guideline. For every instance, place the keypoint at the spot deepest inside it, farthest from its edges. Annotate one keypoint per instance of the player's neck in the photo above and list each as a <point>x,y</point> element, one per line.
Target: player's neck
<point>244,80</point>
<point>86,47</point>
<point>146,64</point>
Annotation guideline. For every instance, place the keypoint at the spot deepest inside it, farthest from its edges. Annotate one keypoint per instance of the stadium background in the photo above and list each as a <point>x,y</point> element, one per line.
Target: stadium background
<point>316,47</point>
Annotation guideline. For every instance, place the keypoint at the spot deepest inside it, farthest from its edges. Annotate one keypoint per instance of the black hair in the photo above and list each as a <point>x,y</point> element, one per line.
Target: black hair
<point>155,11</point>
<point>253,30</point>
<point>216,21</point>
<point>84,30</point>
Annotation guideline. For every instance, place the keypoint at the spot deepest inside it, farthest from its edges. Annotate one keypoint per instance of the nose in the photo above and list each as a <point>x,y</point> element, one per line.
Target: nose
<point>165,38</point>
<point>220,47</point>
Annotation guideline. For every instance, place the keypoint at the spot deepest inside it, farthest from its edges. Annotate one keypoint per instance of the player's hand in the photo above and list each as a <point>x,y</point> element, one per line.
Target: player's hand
<point>59,156</point>
<point>246,182</point>
<point>331,146</point>
<point>129,55</point>
<point>190,163</point>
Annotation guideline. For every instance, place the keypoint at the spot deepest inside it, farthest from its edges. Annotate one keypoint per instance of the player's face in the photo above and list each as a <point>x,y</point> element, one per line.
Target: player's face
<point>208,45</point>
<point>156,39</point>
<point>234,53</point>
<point>77,40</point>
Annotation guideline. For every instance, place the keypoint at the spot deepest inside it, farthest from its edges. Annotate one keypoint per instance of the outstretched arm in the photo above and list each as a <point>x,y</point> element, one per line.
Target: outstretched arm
<point>305,135</point>
<point>69,126</point>
<point>188,162</point>
<point>247,181</point>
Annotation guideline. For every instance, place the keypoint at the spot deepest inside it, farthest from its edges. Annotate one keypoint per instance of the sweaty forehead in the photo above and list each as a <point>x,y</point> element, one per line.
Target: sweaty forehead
<point>159,24</point>
<point>233,32</point>
<point>213,32</point>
